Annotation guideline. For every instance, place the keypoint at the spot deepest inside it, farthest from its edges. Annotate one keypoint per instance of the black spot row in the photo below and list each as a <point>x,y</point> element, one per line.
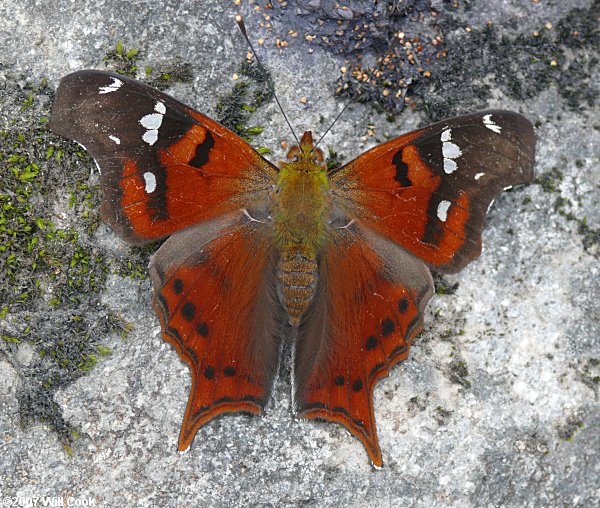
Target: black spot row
<point>341,381</point>
<point>178,286</point>
<point>188,311</point>
<point>202,329</point>
<point>387,327</point>
<point>403,305</point>
<point>371,343</point>
<point>209,371</point>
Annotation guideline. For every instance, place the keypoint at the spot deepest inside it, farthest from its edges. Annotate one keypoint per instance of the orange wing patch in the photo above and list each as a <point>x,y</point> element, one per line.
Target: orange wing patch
<point>223,176</point>
<point>405,213</point>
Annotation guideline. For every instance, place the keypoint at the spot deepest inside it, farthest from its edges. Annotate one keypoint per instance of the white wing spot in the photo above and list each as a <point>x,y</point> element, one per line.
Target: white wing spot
<point>115,139</point>
<point>450,151</point>
<point>489,123</point>
<point>442,210</point>
<point>152,123</point>
<point>159,107</point>
<point>478,176</point>
<point>449,166</point>
<point>150,180</point>
<point>113,87</point>
<point>150,137</point>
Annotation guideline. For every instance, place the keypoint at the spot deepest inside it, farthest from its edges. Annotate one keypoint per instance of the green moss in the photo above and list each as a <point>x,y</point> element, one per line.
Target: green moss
<point>442,415</point>
<point>51,272</point>
<point>235,108</point>
<point>417,404</point>
<point>334,160</point>
<point>443,287</point>
<point>32,248</point>
<point>166,76</point>
<point>590,236</point>
<point>135,264</point>
<point>68,450</point>
<point>590,374</point>
<point>122,60</point>
<point>103,350</point>
<point>459,373</point>
<point>550,180</point>
<point>572,425</point>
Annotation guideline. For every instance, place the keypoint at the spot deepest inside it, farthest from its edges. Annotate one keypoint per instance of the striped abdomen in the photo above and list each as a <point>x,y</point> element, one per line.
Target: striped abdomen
<point>298,275</point>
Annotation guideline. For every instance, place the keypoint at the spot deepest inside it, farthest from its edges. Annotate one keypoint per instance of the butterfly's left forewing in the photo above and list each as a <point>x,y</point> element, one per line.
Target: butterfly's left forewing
<point>430,189</point>
<point>163,165</point>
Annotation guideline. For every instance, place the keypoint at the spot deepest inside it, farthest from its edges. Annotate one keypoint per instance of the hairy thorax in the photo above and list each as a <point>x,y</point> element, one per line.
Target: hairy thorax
<point>300,216</point>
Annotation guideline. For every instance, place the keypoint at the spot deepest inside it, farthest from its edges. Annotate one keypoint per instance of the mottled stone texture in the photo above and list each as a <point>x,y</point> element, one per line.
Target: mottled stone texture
<point>497,405</point>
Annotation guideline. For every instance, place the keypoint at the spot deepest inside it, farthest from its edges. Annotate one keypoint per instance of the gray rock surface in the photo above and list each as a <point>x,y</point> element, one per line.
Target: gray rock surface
<point>497,404</point>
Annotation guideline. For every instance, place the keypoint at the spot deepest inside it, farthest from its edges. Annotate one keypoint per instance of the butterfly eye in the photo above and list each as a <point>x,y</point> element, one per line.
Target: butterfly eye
<point>319,155</point>
<point>293,153</point>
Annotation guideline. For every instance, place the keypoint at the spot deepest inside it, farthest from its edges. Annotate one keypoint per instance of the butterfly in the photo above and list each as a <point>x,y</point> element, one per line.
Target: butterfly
<point>337,260</point>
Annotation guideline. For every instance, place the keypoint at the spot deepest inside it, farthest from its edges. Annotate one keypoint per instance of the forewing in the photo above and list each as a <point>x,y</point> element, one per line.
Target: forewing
<point>429,190</point>
<point>368,307</point>
<point>163,165</point>
<point>214,294</point>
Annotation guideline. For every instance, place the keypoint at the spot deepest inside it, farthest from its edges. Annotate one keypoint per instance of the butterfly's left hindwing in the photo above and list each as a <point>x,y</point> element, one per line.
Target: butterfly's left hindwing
<point>368,308</point>
<point>163,165</point>
<point>429,190</point>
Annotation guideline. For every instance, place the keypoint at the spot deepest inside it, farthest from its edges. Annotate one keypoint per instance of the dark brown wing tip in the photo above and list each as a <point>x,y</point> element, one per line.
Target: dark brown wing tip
<point>63,115</point>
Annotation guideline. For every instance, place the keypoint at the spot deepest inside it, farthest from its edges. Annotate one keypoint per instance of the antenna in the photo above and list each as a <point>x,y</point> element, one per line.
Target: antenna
<point>240,22</point>
<point>336,118</point>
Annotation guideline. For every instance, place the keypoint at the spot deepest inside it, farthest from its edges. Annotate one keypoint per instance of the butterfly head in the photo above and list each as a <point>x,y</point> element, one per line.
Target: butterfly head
<point>306,151</point>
